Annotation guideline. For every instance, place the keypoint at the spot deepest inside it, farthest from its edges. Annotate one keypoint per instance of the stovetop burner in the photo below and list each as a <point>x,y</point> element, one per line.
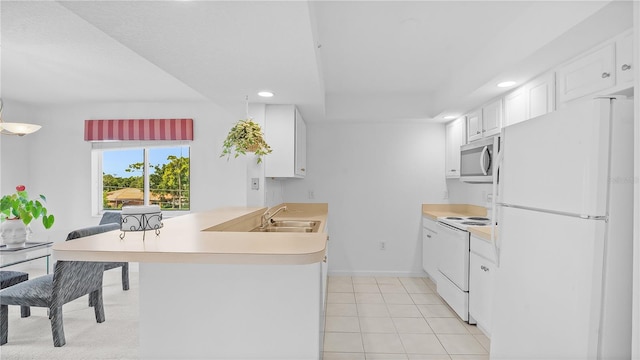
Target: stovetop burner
<point>463,222</point>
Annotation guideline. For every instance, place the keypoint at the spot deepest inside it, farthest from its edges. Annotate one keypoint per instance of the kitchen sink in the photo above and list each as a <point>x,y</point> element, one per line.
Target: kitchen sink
<point>284,229</point>
<point>304,226</point>
<point>293,223</point>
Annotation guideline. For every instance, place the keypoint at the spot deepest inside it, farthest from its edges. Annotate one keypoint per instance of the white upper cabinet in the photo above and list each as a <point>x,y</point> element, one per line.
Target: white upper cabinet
<point>474,125</point>
<point>587,75</point>
<point>515,107</point>
<point>492,118</point>
<point>624,59</point>
<point>456,136</point>
<point>286,133</point>
<point>301,146</point>
<point>485,122</point>
<point>534,98</point>
<point>541,95</point>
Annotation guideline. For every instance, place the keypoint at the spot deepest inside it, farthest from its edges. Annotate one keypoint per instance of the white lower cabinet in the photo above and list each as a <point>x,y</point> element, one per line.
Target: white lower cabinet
<point>482,273</point>
<point>430,248</point>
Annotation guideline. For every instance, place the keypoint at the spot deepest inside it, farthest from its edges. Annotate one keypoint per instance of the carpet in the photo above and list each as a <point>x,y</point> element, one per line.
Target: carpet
<point>116,338</point>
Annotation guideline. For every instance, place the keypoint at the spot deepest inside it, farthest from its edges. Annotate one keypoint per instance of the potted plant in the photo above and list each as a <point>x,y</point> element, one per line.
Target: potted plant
<point>17,212</point>
<point>245,136</point>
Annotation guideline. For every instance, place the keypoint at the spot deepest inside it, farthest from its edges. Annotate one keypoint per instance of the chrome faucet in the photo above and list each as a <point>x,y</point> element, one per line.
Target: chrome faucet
<point>268,216</point>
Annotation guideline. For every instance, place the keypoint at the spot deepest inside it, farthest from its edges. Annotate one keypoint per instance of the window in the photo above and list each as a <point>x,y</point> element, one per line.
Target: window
<point>144,175</point>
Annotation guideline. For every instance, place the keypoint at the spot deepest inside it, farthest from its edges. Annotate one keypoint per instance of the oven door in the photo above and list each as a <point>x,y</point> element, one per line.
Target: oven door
<point>454,255</point>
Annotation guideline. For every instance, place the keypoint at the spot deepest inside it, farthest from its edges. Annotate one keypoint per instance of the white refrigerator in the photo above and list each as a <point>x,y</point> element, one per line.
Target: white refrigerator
<point>565,224</point>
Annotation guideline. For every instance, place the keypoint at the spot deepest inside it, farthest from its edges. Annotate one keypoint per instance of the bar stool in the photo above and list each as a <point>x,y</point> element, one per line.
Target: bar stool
<point>10,278</point>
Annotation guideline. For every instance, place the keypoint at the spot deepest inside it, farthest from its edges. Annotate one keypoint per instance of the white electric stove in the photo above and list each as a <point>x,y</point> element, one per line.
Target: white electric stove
<point>453,264</point>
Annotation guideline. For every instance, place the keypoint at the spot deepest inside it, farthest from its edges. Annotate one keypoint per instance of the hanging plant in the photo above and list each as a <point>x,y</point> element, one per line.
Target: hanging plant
<point>245,136</point>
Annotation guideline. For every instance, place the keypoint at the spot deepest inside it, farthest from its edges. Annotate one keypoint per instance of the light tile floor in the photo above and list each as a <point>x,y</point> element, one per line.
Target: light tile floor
<point>389,318</point>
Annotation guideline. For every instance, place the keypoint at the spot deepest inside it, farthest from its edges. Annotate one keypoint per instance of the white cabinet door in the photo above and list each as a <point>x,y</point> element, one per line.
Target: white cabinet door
<point>515,107</point>
<point>624,59</point>
<point>492,118</point>
<point>455,137</point>
<point>301,146</point>
<point>481,279</point>
<point>535,98</point>
<point>587,75</point>
<point>430,248</point>
<point>540,95</point>
<point>285,132</point>
<point>474,125</point>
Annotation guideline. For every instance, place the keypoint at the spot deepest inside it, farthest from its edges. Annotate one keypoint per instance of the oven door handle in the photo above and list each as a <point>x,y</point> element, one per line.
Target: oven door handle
<point>449,227</point>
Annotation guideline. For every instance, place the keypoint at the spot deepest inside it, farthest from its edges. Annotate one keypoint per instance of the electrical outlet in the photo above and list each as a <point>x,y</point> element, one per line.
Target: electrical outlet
<point>383,245</point>
<point>311,194</point>
<point>445,195</point>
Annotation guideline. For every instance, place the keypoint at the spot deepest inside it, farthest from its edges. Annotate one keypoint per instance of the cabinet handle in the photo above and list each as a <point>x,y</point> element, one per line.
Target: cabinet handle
<point>325,259</point>
<point>429,236</point>
<point>478,132</point>
<point>484,268</point>
<point>453,170</point>
<point>302,169</point>
<point>605,75</point>
<point>626,67</point>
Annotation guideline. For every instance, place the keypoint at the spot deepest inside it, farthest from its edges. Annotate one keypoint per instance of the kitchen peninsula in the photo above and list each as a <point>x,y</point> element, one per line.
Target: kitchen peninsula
<point>211,288</point>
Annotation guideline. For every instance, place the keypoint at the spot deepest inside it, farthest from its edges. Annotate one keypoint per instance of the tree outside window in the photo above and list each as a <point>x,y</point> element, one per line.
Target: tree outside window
<point>123,177</point>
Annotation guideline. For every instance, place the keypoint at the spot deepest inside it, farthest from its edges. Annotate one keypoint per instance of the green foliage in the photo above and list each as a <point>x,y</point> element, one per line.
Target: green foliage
<point>166,180</point>
<point>18,206</point>
<point>245,136</point>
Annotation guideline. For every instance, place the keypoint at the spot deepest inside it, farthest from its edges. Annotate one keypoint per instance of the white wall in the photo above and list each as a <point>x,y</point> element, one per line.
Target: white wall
<point>59,161</point>
<point>466,193</point>
<point>375,178</point>
<point>14,150</point>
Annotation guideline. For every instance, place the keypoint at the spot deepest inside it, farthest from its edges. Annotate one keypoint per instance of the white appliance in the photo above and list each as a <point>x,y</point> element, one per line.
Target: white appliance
<point>453,264</point>
<point>477,160</point>
<point>565,235</point>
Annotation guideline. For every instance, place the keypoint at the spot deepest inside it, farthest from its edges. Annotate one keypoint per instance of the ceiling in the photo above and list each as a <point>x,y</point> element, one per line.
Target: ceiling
<point>336,60</point>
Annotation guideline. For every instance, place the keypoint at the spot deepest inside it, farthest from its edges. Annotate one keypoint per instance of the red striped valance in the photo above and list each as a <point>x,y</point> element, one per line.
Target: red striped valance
<point>138,129</point>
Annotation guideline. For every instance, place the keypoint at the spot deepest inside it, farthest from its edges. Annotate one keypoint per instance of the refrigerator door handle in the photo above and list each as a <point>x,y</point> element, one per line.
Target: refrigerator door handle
<point>482,165</point>
<point>495,189</point>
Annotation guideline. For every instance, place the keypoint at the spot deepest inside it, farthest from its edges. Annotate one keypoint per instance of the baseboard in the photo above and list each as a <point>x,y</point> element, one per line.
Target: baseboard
<point>378,273</point>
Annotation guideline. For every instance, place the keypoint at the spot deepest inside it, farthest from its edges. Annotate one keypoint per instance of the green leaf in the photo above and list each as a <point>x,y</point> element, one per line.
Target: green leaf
<point>47,221</point>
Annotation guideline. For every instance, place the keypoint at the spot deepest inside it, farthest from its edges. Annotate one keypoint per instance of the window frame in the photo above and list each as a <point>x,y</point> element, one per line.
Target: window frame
<point>98,148</point>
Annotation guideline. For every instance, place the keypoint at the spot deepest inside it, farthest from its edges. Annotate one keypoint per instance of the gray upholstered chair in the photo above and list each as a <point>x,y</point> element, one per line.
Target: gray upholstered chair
<point>10,278</point>
<point>69,281</point>
<point>110,221</point>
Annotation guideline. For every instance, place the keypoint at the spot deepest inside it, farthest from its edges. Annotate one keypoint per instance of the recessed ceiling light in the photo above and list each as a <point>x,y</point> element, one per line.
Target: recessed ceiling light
<point>265,94</point>
<point>506,84</point>
<point>450,117</point>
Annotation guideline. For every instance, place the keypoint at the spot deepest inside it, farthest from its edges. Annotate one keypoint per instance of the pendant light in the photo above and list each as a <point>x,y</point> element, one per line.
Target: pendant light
<point>20,129</point>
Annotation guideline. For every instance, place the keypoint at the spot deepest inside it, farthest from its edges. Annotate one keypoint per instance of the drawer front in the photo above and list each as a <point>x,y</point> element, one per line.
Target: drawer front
<point>483,248</point>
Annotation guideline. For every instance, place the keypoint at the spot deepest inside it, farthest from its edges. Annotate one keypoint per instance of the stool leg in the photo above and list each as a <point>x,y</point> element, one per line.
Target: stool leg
<point>4,324</point>
<point>125,276</point>
<point>25,311</point>
<point>56,326</point>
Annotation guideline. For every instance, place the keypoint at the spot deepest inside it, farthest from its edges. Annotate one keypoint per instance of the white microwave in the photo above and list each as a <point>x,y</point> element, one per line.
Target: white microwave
<point>477,160</point>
